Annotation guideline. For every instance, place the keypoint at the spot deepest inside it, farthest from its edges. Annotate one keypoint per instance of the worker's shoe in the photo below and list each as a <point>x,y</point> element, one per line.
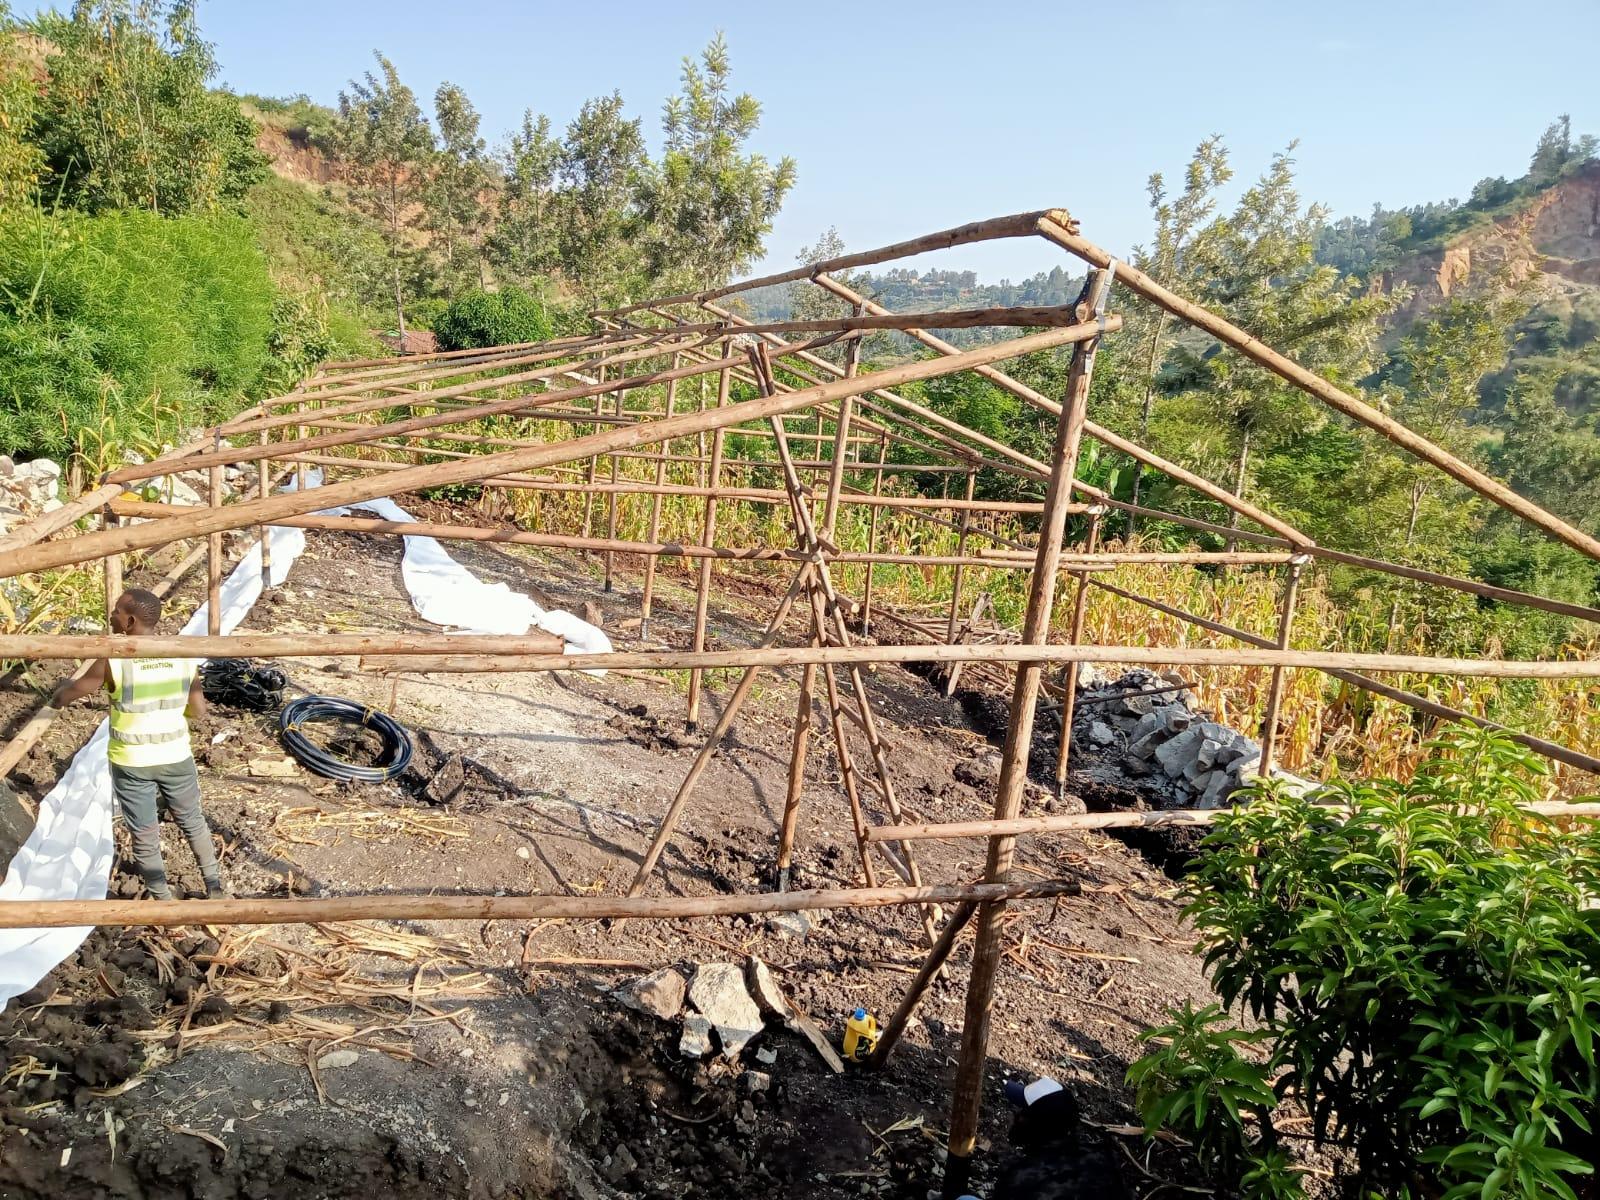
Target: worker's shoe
<point>216,891</point>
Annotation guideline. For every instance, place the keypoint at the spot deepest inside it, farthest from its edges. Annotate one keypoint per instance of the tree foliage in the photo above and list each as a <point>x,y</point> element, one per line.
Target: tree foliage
<point>499,318</point>
<point>127,119</point>
<point>455,214</point>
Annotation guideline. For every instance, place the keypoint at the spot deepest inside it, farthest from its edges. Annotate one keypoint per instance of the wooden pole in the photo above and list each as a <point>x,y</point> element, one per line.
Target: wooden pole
<point>1069,683</point>
<point>113,568</point>
<point>1060,231</point>
<point>57,914</point>
<point>931,966</point>
<point>968,1095</point>
<point>647,596</point>
<point>708,537</point>
<point>214,552</point>
<point>611,503</point>
<point>1082,822</point>
<point>961,550</point>
<point>263,490</point>
<point>1269,721</point>
<point>872,538</point>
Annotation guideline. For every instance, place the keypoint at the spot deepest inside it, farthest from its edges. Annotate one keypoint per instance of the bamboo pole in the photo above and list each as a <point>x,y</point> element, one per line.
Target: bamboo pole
<point>968,1096</point>
<point>647,595</point>
<point>1069,683</point>
<point>931,966</point>
<point>1269,721</point>
<point>41,556</point>
<point>708,537</point>
<point>961,550</point>
<point>872,539</point>
<point>1081,822</point>
<point>214,552</point>
<point>1060,230</point>
<point>113,568</point>
<point>1020,225</point>
<point>57,914</point>
<point>263,490</point>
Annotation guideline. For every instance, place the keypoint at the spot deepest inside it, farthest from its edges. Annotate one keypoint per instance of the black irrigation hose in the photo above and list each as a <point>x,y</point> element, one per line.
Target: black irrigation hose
<point>396,741</point>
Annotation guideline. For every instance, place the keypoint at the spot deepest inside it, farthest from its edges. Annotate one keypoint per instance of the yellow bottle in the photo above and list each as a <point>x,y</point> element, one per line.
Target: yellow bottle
<point>860,1035</point>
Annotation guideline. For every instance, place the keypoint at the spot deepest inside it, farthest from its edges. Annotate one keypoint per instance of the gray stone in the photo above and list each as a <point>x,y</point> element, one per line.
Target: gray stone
<point>755,1081</point>
<point>1101,734</point>
<point>1176,718</point>
<point>1206,756</point>
<point>659,994</point>
<point>1151,722</point>
<point>764,990</point>
<point>1177,753</point>
<point>767,1056</point>
<point>1146,746</point>
<point>1219,786</point>
<point>1195,770</point>
<point>337,1058</point>
<point>789,924</point>
<point>718,993</point>
<point>696,1039</point>
<point>622,1165</point>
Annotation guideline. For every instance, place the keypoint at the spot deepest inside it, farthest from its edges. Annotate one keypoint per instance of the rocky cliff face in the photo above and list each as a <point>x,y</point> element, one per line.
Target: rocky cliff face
<point>292,156</point>
<point>1555,239</point>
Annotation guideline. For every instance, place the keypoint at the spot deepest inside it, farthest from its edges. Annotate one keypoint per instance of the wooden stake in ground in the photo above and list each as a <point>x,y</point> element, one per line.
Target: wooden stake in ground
<point>647,596</point>
<point>214,552</point>
<point>708,537</point>
<point>968,1096</point>
<point>1269,721</point>
<point>1069,682</point>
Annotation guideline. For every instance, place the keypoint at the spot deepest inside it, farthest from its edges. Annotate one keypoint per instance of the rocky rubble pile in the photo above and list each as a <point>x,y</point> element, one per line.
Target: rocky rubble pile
<point>1172,751</point>
<point>27,490</point>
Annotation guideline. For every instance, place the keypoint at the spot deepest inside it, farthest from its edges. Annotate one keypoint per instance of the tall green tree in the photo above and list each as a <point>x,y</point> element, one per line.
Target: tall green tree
<point>1256,266</point>
<point>524,239</point>
<point>128,119</point>
<point>456,213</point>
<point>20,159</point>
<point>599,165</point>
<point>706,208</point>
<point>1558,151</point>
<point>387,149</point>
<point>1177,219</point>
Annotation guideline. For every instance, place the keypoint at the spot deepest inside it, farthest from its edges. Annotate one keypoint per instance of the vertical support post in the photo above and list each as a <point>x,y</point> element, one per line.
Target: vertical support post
<point>708,537</point>
<point>931,966</point>
<point>808,673</point>
<point>611,499</point>
<point>263,490</point>
<point>647,597</point>
<point>1269,722</point>
<point>113,565</point>
<point>300,480</point>
<point>214,551</point>
<point>594,462</point>
<point>1069,677</point>
<point>872,536</point>
<point>968,1096</point>
<point>961,550</point>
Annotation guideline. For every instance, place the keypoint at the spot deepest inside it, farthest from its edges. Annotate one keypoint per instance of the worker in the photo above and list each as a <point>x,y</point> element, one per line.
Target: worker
<point>152,764</point>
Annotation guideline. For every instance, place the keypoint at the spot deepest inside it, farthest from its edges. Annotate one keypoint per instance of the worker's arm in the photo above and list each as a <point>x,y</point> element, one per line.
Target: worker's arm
<point>197,698</point>
<point>90,682</point>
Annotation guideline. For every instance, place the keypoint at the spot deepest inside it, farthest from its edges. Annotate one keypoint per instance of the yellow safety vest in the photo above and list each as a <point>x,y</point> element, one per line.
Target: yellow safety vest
<point>148,696</point>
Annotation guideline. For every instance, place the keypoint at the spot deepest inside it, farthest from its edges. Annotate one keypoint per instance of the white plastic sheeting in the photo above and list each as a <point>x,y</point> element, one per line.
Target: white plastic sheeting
<point>68,855</point>
<point>445,593</point>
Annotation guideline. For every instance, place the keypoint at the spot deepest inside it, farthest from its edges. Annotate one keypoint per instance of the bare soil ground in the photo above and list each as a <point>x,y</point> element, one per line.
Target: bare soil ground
<point>488,1059</point>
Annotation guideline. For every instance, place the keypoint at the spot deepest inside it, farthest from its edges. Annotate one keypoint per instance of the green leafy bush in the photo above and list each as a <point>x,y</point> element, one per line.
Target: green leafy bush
<point>1424,977</point>
<point>481,318</point>
<point>125,329</point>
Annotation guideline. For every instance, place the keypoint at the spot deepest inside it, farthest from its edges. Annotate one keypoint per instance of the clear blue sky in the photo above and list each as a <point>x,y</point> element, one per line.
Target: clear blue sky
<point>910,117</point>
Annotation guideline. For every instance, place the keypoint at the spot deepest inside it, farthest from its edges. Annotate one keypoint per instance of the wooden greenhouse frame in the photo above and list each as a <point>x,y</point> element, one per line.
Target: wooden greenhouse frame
<point>383,426</point>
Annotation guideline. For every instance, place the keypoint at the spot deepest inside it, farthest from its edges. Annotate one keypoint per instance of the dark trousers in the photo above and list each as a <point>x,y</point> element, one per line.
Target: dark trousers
<point>143,792</point>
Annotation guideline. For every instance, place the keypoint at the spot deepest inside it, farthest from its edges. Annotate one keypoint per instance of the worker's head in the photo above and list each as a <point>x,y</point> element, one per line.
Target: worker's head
<point>136,611</point>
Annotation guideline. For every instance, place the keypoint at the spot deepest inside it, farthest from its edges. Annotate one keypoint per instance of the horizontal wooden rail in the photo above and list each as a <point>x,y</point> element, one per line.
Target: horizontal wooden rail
<point>1070,822</point>
<point>54,914</point>
<point>41,646</point>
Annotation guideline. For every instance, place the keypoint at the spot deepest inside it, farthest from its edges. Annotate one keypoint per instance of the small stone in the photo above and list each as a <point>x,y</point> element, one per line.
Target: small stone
<point>755,1081</point>
<point>337,1058</point>
<point>1176,718</point>
<point>718,993</point>
<point>659,994</point>
<point>788,924</point>
<point>1101,734</point>
<point>1177,753</point>
<point>524,852</point>
<point>696,1039</point>
<point>767,1056</point>
<point>622,1165</point>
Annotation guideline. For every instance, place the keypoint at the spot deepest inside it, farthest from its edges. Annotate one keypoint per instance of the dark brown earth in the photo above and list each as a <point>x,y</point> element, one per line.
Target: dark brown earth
<point>489,1059</point>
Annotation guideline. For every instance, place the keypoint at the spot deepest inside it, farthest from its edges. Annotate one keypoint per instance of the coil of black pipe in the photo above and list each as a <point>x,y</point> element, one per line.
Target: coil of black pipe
<point>397,746</point>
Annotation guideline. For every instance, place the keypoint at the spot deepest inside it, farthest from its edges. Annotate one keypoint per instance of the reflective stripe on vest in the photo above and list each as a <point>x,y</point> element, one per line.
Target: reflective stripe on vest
<point>148,727</point>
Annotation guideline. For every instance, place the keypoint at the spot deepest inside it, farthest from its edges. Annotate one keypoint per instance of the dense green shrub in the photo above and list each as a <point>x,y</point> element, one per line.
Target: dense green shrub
<point>125,329</point>
<point>492,319</point>
<point>1424,977</point>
